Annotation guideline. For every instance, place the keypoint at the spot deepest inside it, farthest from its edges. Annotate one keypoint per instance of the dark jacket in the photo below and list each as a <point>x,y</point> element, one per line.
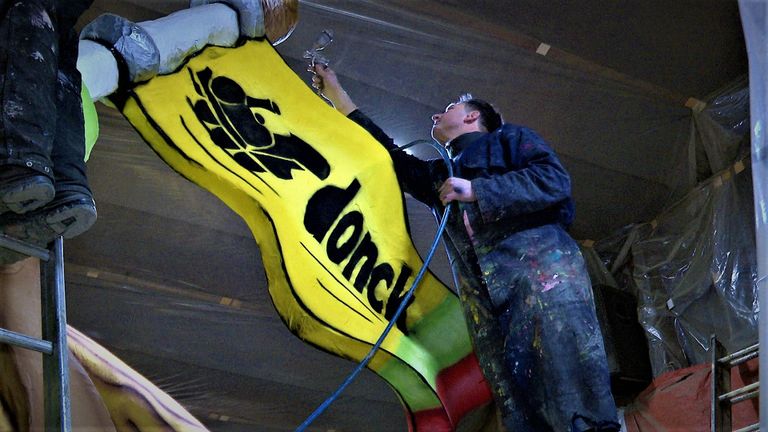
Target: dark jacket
<point>525,292</point>
<point>517,179</point>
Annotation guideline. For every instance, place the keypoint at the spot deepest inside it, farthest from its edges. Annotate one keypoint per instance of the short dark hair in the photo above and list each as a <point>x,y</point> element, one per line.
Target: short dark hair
<point>490,118</point>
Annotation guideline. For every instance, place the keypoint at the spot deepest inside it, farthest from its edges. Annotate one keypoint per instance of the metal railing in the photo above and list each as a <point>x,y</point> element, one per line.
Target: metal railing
<point>53,344</point>
<point>723,397</point>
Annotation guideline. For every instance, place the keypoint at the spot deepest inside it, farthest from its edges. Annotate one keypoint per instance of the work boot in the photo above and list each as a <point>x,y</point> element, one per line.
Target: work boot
<point>585,424</point>
<point>23,189</point>
<point>68,215</point>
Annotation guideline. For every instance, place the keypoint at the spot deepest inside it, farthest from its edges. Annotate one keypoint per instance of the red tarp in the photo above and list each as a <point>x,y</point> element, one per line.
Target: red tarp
<point>681,401</point>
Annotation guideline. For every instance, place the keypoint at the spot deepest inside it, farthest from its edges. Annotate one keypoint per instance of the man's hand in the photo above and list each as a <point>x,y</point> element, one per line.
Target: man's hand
<point>456,189</point>
<point>327,84</point>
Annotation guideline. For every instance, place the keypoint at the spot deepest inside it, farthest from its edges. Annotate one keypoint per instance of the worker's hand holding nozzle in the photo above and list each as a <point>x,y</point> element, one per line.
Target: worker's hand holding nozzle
<point>325,81</point>
<point>324,78</point>
<point>313,54</point>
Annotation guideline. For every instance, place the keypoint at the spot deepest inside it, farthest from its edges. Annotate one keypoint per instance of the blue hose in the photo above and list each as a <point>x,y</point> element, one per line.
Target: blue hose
<point>403,304</point>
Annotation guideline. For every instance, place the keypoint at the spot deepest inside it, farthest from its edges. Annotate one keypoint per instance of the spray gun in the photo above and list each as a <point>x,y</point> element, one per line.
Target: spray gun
<point>313,54</point>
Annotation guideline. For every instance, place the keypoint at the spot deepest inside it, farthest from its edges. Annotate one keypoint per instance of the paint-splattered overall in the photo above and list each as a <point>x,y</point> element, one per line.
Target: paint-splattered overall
<point>551,364</point>
<point>522,280</point>
<point>41,117</point>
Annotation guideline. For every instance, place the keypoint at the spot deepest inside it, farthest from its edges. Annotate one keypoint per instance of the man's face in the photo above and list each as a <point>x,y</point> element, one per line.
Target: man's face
<point>447,125</point>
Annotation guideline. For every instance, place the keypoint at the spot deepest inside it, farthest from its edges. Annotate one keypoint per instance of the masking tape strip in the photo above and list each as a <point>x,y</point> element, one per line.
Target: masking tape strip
<point>738,166</point>
<point>717,181</point>
<point>695,105</point>
<point>225,301</point>
<point>726,174</point>
<point>219,417</point>
<point>233,303</point>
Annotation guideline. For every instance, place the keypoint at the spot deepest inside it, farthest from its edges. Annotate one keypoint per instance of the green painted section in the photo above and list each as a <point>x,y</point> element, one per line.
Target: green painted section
<point>410,387</point>
<point>443,333</point>
<point>91,121</point>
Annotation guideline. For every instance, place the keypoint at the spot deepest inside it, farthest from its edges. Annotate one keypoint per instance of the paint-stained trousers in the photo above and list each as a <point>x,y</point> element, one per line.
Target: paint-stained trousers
<point>542,349</point>
<point>41,117</point>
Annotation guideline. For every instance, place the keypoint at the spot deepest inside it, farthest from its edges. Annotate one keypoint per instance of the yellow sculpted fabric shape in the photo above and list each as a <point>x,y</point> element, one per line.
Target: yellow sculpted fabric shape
<point>132,401</point>
<point>322,201</point>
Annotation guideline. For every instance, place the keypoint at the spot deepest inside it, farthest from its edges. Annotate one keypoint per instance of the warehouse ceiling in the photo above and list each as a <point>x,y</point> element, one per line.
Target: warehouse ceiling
<point>605,82</point>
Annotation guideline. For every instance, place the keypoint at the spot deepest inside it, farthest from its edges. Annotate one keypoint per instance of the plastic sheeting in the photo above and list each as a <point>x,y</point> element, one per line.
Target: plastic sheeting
<point>693,268</point>
<point>172,282</point>
<point>403,61</point>
<point>682,401</point>
<point>695,274</point>
<point>755,22</point>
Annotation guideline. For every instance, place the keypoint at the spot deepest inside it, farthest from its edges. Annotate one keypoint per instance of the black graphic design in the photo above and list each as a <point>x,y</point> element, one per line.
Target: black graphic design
<point>345,239</point>
<point>229,115</point>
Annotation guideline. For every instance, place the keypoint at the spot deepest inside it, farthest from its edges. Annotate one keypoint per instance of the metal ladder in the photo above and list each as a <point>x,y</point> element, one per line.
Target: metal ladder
<point>53,344</point>
<point>723,397</point>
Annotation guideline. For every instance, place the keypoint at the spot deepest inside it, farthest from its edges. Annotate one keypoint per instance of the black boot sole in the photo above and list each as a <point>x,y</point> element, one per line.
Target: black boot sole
<point>40,228</point>
<point>27,195</point>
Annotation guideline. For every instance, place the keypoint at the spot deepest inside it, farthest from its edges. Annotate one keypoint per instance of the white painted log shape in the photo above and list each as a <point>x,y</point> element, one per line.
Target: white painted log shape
<point>176,36</point>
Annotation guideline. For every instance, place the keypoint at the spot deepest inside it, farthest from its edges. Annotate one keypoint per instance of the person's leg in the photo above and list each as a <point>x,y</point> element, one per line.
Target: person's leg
<point>573,371</point>
<point>520,355</point>
<point>72,211</point>
<point>552,344</point>
<point>488,333</point>
<point>28,64</point>
<point>572,368</point>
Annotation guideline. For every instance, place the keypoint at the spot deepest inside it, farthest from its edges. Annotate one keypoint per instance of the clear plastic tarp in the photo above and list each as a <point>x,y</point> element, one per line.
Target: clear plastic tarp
<point>171,280</point>
<point>754,17</point>
<point>693,268</point>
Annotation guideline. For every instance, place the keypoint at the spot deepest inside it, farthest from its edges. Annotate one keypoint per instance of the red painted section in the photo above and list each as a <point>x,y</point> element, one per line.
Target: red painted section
<point>429,421</point>
<point>680,401</point>
<point>462,388</point>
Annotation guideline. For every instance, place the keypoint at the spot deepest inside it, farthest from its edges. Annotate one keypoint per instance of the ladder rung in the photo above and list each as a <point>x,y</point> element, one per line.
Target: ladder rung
<point>746,358</point>
<point>751,395</point>
<point>24,248</point>
<point>732,395</point>
<point>748,352</point>
<point>751,428</point>
<point>24,341</point>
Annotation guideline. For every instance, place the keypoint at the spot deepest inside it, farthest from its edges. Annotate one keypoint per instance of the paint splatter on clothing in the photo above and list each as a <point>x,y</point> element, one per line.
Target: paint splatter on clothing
<point>41,118</point>
<point>525,291</point>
